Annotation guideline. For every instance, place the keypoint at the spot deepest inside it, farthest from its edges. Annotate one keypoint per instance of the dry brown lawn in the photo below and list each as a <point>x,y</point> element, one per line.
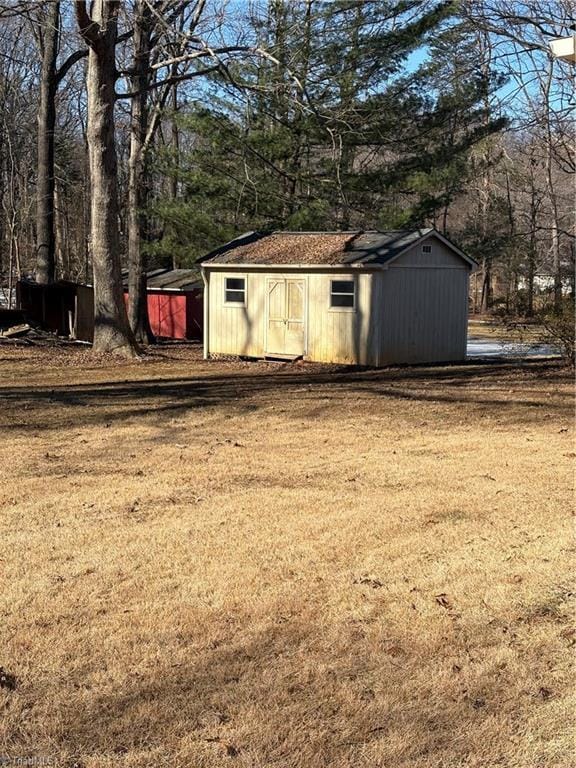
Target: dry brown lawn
<point>212,564</point>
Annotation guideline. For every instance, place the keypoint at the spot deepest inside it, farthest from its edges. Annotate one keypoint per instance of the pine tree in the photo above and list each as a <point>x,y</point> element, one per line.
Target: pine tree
<point>348,124</point>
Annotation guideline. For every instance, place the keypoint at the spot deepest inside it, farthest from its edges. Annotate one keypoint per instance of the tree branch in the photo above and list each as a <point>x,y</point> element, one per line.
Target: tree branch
<point>168,81</point>
<point>89,30</point>
<point>67,65</point>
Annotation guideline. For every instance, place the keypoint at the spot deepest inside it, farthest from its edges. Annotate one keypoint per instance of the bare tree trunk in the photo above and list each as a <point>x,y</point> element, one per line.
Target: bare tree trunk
<point>137,182</point>
<point>531,272</point>
<point>175,141</point>
<point>555,247</point>
<point>486,289</point>
<point>486,293</point>
<point>86,250</point>
<point>512,290</point>
<point>554,226</point>
<point>45,239</point>
<point>59,237</point>
<point>485,55</point>
<point>10,273</point>
<point>64,267</point>
<point>111,328</point>
<point>553,201</point>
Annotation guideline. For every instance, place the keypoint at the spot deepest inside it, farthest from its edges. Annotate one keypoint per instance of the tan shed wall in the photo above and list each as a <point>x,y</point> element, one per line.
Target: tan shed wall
<point>341,335</point>
<point>415,311</point>
<point>236,330</point>
<point>332,335</point>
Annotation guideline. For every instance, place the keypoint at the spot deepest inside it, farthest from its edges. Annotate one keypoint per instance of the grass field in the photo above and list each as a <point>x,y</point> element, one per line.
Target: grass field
<point>210,564</point>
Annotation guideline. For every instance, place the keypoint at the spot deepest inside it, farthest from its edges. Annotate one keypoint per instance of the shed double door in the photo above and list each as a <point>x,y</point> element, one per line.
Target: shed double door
<point>286,312</point>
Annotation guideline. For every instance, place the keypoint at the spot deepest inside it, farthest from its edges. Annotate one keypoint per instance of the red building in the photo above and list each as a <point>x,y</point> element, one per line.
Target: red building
<point>175,303</point>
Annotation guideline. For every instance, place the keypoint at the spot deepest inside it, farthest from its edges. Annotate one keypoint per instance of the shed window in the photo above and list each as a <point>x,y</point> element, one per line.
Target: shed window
<point>342,294</point>
<point>235,290</point>
<point>426,249</point>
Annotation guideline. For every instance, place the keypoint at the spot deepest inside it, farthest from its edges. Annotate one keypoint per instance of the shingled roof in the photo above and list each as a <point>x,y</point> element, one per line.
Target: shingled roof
<point>315,248</point>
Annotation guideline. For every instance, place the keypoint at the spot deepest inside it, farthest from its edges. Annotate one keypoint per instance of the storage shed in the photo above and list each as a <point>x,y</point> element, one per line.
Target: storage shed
<point>368,298</point>
<point>174,303</point>
<point>64,307</point>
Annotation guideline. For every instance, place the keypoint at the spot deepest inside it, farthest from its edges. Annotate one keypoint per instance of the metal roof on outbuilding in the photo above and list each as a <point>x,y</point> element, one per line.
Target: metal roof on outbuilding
<point>176,279</point>
<point>170,279</point>
<point>321,248</point>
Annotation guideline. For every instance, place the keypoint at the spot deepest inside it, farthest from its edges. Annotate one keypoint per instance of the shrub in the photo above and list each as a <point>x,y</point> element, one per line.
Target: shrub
<point>558,328</point>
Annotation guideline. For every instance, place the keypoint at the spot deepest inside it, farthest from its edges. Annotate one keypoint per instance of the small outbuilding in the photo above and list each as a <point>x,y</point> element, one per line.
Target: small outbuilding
<point>367,298</point>
<point>174,303</point>
<point>64,307</point>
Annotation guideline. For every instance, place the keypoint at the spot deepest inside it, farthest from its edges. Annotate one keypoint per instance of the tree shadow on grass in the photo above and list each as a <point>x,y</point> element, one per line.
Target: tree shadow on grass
<point>274,697</point>
<point>473,384</point>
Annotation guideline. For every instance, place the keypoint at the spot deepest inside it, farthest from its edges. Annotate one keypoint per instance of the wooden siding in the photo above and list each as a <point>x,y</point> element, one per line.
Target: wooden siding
<point>441,256</point>
<point>424,313</point>
<point>422,306</point>
<point>331,335</point>
<point>339,335</point>
<point>415,311</point>
<point>234,329</point>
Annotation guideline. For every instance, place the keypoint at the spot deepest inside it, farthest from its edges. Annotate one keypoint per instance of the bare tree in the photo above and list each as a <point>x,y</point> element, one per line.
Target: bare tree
<point>137,183</point>
<point>45,235</point>
<point>99,30</point>
<point>165,36</point>
<point>45,23</point>
<point>18,78</point>
<point>518,33</point>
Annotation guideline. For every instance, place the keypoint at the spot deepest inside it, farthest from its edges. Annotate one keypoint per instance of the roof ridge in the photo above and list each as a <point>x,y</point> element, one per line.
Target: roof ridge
<point>344,247</point>
<point>316,232</point>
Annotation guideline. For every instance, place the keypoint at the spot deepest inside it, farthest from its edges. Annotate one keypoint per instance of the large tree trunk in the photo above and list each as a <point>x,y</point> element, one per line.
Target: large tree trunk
<point>137,181</point>
<point>111,328</point>
<point>173,141</point>
<point>45,239</point>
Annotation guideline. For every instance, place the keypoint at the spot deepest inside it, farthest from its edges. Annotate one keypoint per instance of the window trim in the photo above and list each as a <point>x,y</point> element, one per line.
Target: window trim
<point>427,246</point>
<point>354,294</point>
<point>233,304</point>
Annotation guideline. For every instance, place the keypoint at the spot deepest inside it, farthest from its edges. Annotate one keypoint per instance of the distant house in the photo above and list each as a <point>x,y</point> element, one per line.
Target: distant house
<point>369,298</point>
<point>544,282</point>
<point>174,303</point>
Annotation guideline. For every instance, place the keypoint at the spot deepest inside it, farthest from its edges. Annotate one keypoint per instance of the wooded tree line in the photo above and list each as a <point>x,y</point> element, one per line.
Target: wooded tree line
<point>144,133</point>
